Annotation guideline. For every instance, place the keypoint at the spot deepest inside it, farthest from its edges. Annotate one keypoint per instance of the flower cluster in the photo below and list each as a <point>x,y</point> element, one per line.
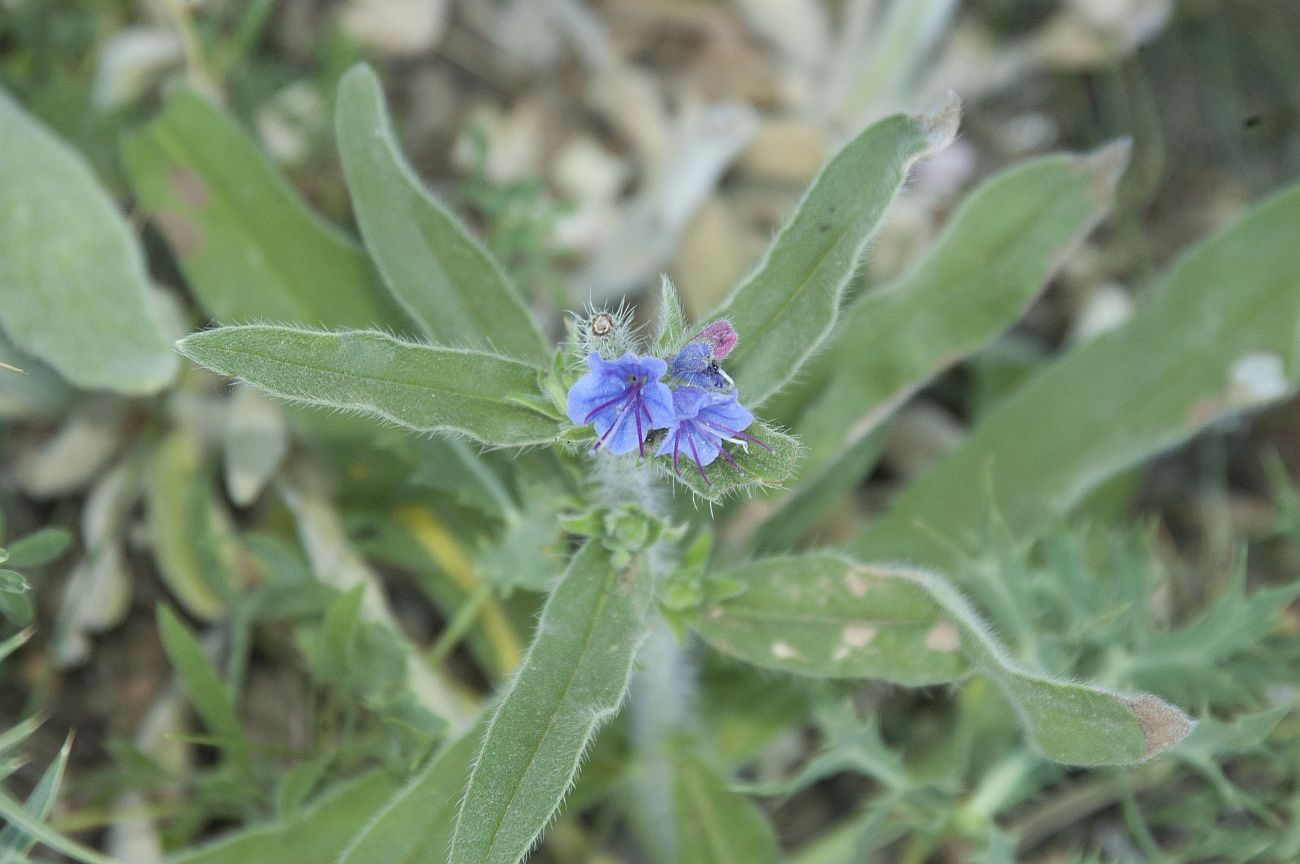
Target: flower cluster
<point>626,400</point>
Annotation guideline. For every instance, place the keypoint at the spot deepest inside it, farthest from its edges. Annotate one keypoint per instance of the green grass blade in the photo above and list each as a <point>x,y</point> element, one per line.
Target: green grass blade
<point>440,274</point>
<point>571,681</point>
<point>713,824</point>
<point>15,841</point>
<point>16,641</point>
<point>19,732</point>
<point>13,813</point>
<point>825,615</point>
<point>76,294</point>
<point>1221,335</point>
<point>248,245</point>
<point>415,826</point>
<point>786,308</point>
<point>415,386</point>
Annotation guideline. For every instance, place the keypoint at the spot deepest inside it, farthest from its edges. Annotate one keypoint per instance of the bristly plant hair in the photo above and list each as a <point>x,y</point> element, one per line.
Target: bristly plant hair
<point>605,331</point>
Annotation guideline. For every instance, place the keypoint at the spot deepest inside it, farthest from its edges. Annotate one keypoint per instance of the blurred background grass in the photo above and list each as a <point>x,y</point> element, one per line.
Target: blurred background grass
<point>594,145</point>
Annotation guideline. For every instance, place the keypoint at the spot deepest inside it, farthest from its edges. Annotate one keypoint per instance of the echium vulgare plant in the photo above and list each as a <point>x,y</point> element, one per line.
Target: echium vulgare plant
<point>779,393</point>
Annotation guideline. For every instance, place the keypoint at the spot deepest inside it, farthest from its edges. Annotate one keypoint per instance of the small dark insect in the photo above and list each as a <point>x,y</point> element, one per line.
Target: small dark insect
<point>1252,121</point>
<point>602,324</point>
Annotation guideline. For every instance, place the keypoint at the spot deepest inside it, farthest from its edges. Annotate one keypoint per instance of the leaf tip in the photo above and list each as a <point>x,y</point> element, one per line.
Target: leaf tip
<point>184,347</point>
<point>939,124</point>
<point>361,71</point>
<point>1107,164</point>
<point>1162,724</point>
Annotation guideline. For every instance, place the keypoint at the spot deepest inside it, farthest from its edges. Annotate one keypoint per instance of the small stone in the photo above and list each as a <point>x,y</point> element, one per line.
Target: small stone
<point>785,151</point>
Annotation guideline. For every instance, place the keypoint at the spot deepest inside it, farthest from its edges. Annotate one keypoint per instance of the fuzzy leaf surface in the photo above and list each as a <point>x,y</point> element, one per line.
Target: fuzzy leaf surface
<point>994,257</point>
<point>76,294</point>
<point>415,825</point>
<point>249,247</point>
<point>1221,335</point>
<point>440,274</point>
<point>826,615</point>
<point>823,615</point>
<point>419,387</point>
<point>670,332</point>
<point>788,305</point>
<point>571,681</point>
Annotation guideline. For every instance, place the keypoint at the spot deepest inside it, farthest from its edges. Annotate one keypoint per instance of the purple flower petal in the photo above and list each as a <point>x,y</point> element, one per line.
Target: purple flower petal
<point>622,399</point>
<point>704,418</point>
<point>721,337</point>
<point>695,364</point>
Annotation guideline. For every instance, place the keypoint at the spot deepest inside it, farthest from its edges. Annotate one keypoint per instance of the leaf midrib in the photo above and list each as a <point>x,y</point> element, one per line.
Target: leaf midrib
<point>377,378</point>
<point>807,279</point>
<point>417,201</point>
<point>550,722</point>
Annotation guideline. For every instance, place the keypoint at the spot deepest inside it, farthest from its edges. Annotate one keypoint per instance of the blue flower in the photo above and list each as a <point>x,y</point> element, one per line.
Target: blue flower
<point>696,365</point>
<point>624,399</point>
<point>697,362</point>
<point>702,420</point>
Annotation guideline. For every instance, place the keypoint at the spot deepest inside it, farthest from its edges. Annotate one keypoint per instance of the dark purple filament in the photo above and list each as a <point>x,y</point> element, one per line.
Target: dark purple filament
<point>631,399</point>
<point>689,429</point>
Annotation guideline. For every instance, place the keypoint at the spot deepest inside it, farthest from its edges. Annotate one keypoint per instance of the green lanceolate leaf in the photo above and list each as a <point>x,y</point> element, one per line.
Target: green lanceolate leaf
<point>419,387</point>
<point>671,331</point>
<point>339,631</point>
<point>811,500</point>
<point>13,582</point>
<point>787,307</point>
<point>249,247</point>
<point>1070,722</point>
<point>193,538</point>
<point>39,547</point>
<point>713,824</point>
<point>75,290</point>
<point>848,744</point>
<point>756,466</point>
<point>415,826</point>
<point>316,834</point>
<point>206,691</point>
<point>828,616</point>
<point>1221,335</point>
<point>992,260</point>
<point>441,275</point>
<point>824,615</point>
<point>571,681</point>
